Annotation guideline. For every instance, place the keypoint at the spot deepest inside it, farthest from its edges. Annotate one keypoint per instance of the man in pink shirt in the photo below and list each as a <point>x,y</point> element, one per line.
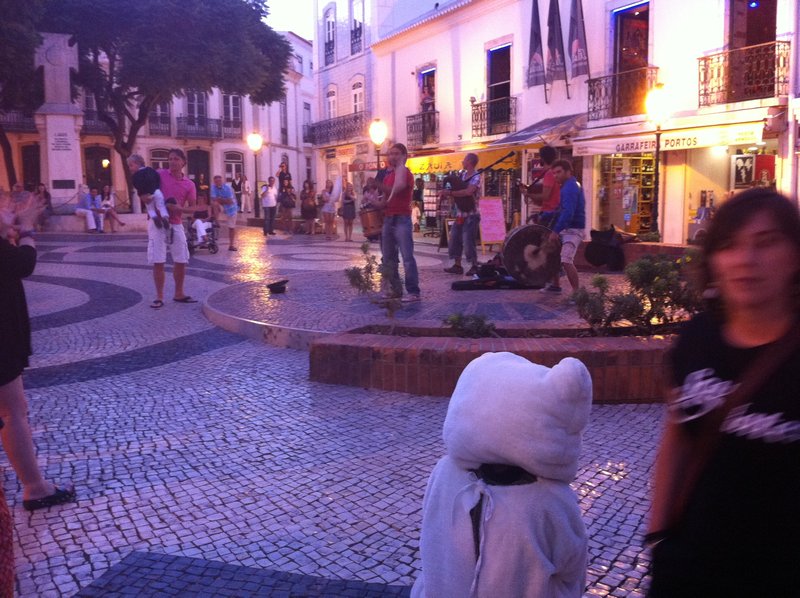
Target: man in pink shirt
<point>174,184</point>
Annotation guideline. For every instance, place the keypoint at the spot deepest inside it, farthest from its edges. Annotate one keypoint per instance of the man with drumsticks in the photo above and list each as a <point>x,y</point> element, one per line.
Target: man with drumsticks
<point>570,220</point>
<point>464,232</point>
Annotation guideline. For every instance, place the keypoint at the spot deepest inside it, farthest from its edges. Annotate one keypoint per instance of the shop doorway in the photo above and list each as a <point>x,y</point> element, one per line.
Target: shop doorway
<point>197,162</point>
<point>31,166</point>
<point>97,166</point>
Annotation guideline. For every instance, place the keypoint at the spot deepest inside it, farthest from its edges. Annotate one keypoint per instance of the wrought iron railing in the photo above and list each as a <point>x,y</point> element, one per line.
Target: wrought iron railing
<point>356,39</point>
<point>14,121</point>
<point>231,129</point>
<point>750,73</point>
<point>422,128</point>
<point>494,117</point>
<point>307,134</point>
<point>158,124</point>
<point>92,125</point>
<point>342,128</point>
<point>329,51</point>
<point>621,94</point>
<point>199,127</point>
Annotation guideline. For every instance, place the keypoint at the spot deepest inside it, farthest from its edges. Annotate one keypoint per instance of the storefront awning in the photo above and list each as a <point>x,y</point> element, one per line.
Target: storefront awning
<point>546,132</point>
<point>452,161</point>
<point>677,139</point>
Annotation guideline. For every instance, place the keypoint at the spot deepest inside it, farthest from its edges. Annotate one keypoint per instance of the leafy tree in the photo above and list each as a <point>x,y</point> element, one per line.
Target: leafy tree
<point>20,87</point>
<point>137,54</point>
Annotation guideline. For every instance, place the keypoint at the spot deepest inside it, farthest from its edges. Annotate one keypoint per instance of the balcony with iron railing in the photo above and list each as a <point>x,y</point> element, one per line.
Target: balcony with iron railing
<point>341,128</point>
<point>495,117</point>
<point>422,129</point>
<point>356,39</point>
<point>621,94</point>
<point>92,125</point>
<point>231,129</point>
<point>751,73</point>
<point>199,127</point>
<point>15,121</point>
<point>329,51</point>
<point>158,124</point>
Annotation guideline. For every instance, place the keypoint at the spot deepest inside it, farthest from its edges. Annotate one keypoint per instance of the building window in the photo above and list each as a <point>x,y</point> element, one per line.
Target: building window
<point>330,104</point>
<point>234,164</point>
<point>427,90</point>
<point>358,97</point>
<point>306,122</point>
<point>330,36</point>
<point>299,63</point>
<point>284,117</point>
<point>89,103</point>
<point>308,169</point>
<point>159,158</point>
<point>196,108</point>
<point>232,109</point>
<point>357,26</point>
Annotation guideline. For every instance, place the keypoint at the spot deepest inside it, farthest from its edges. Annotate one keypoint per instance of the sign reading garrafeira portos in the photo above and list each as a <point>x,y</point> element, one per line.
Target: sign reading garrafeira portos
<point>740,134</point>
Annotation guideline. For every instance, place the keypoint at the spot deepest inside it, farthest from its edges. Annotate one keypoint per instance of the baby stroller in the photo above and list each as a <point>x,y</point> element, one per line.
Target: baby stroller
<point>192,240</point>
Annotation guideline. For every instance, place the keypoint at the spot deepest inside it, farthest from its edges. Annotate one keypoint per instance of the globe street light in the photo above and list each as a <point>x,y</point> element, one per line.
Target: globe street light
<point>377,133</point>
<point>657,109</point>
<point>255,142</point>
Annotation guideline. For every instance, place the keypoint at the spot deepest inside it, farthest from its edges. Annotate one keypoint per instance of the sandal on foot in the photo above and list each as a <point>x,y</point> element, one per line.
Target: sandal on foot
<point>157,304</point>
<point>186,299</point>
<point>59,497</point>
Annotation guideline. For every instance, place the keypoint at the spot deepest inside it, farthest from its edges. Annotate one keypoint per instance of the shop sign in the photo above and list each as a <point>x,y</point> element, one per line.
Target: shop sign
<point>362,148</point>
<point>745,134</point>
<point>330,154</point>
<point>346,151</point>
<point>364,166</point>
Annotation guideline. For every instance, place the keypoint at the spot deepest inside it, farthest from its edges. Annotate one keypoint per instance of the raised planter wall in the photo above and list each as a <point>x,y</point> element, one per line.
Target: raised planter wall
<point>624,369</point>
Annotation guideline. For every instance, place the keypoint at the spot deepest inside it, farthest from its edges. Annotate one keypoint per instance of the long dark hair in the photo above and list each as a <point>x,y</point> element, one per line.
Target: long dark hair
<point>735,213</point>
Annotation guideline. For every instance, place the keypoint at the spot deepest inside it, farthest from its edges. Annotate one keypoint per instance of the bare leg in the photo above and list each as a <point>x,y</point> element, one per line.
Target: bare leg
<point>179,275</point>
<point>232,237</point>
<point>17,441</point>
<point>572,276</point>
<point>158,279</point>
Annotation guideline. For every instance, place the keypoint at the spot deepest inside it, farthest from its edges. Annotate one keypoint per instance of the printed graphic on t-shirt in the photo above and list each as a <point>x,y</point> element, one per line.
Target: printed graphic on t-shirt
<point>701,393</point>
<point>769,427</point>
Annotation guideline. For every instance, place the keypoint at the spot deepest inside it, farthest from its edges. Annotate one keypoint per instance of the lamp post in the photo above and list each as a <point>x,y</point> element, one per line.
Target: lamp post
<point>377,133</point>
<point>657,113</point>
<point>255,141</point>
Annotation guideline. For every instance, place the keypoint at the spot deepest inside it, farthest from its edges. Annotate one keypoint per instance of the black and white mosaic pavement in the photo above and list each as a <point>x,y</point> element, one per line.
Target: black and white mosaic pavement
<point>208,465</point>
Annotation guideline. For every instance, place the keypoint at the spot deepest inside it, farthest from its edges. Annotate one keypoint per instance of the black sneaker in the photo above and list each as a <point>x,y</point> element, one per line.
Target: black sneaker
<point>454,269</point>
<point>472,271</point>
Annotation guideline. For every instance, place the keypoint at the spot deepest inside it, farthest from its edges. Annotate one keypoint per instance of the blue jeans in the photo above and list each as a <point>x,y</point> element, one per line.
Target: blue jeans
<point>269,219</point>
<point>396,236</point>
<point>463,237</point>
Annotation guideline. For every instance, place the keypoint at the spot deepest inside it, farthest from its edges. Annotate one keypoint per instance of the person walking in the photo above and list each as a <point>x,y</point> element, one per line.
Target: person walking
<point>396,236</point>
<point>269,203</point>
<point>570,222</point>
<point>724,518</point>
<point>17,261</point>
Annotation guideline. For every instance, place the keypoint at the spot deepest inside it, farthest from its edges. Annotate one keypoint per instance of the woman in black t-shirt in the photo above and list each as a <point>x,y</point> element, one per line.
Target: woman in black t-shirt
<point>739,531</point>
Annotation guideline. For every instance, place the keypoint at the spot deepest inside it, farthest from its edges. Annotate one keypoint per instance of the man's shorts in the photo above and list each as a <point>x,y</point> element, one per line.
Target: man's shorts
<point>570,241</point>
<point>227,220</point>
<point>157,244</point>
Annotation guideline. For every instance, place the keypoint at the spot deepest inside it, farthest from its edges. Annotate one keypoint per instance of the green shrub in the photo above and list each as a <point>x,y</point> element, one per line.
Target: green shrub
<point>470,326</point>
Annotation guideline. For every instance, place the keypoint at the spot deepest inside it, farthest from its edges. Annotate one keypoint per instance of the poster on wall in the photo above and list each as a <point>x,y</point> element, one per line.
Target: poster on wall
<point>765,170</point>
<point>743,170</point>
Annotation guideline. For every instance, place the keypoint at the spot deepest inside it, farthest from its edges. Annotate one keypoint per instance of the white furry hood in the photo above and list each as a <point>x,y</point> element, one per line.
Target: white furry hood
<point>508,410</point>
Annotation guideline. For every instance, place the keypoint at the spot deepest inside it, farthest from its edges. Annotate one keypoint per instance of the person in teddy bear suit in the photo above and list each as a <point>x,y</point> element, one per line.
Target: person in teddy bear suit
<point>499,518</point>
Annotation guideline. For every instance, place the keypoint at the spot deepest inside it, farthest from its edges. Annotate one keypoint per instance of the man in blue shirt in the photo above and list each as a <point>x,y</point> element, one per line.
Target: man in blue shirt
<point>89,207</point>
<point>223,195</point>
<point>571,221</point>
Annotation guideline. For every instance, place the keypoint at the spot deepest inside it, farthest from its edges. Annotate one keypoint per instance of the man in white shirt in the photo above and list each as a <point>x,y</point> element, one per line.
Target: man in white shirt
<point>269,201</point>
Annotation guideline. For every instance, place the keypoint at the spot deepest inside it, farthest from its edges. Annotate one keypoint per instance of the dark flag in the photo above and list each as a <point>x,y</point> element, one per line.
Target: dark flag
<point>556,67</point>
<point>536,54</point>
<point>578,55</point>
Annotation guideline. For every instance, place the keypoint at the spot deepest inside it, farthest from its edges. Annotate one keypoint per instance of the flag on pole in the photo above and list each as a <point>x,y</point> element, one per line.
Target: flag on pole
<point>556,68</point>
<point>578,54</point>
<point>536,55</point>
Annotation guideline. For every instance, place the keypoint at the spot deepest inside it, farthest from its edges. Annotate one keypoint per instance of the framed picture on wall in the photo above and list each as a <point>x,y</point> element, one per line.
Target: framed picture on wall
<point>743,168</point>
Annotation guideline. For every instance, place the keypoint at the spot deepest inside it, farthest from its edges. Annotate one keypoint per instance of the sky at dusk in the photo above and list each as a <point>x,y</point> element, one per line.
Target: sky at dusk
<point>292,15</point>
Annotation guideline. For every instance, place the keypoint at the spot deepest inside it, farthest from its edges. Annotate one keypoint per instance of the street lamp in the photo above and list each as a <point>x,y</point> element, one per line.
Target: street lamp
<point>657,108</point>
<point>255,141</point>
<point>377,133</point>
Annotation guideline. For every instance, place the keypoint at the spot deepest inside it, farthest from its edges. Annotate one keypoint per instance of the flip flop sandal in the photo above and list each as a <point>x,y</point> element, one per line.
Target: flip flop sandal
<point>59,497</point>
<point>157,304</point>
<point>186,299</point>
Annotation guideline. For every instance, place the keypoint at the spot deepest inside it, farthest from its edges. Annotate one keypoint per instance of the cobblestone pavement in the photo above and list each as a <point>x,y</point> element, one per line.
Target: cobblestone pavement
<point>209,465</point>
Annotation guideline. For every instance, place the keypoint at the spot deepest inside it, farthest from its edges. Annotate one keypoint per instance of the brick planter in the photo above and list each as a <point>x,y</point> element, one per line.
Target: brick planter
<point>623,369</point>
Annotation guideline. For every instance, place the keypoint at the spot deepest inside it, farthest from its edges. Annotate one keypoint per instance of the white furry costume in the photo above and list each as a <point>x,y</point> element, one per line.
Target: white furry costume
<point>507,410</point>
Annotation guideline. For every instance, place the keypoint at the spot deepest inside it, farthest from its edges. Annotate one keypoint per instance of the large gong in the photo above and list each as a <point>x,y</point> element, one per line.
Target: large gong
<point>531,256</point>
